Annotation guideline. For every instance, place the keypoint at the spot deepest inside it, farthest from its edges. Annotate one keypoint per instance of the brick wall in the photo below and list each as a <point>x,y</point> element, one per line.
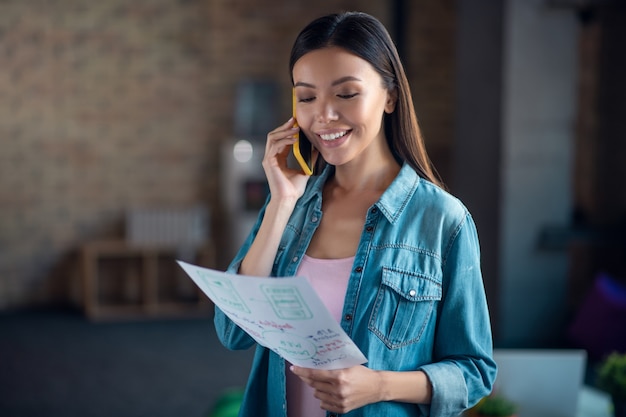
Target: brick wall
<point>110,105</point>
<point>102,108</point>
<point>430,64</point>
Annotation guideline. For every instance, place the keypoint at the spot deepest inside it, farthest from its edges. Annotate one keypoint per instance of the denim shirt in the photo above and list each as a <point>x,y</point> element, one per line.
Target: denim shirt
<point>415,299</point>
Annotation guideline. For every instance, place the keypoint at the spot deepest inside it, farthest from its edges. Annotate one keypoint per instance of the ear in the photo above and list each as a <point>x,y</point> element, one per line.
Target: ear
<point>392,99</point>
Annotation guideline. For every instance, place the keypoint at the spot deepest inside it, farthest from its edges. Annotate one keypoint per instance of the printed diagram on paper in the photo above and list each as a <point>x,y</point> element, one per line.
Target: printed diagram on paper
<point>282,314</point>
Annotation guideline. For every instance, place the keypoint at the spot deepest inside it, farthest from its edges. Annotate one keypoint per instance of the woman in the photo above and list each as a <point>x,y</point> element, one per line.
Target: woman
<point>392,255</point>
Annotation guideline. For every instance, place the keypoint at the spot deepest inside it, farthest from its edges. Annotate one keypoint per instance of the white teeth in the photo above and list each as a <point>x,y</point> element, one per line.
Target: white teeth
<point>333,136</point>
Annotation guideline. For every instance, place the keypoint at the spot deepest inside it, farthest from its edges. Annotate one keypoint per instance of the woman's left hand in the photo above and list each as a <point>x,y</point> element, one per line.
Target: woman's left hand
<point>342,390</point>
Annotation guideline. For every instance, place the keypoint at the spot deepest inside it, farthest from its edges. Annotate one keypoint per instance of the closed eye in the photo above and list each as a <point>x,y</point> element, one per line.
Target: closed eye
<point>306,100</point>
<point>347,96</point>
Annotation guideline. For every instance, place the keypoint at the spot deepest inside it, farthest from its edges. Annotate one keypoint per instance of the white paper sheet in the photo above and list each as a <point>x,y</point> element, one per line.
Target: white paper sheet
<point>282,314</point>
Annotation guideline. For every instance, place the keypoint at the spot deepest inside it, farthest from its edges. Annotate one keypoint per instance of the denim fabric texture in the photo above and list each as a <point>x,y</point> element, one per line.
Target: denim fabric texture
<point>415,299</point>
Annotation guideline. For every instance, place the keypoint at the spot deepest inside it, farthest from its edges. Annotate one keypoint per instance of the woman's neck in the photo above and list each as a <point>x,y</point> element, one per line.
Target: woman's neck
<point>356,177</point>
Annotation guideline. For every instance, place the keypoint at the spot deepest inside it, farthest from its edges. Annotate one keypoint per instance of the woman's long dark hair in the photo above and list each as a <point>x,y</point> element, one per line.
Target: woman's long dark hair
<point>364,36</point>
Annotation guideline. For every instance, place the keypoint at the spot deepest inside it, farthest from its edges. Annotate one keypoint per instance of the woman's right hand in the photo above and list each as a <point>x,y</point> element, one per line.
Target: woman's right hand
<point>285,183</point>
<point>286,186</point>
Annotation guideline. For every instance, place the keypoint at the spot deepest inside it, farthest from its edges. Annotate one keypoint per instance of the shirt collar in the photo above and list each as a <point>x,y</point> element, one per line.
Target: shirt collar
<point>400,191</point>
<point>316,185</point>
<point>393,200</point>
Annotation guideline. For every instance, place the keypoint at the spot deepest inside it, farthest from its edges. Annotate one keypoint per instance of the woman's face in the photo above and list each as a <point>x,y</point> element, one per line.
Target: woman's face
<point>340,105</point>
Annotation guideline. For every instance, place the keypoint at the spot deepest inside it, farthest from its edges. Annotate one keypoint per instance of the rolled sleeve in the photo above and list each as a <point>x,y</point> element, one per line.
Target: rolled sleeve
<point>465,369</point>
<point>449,389</point>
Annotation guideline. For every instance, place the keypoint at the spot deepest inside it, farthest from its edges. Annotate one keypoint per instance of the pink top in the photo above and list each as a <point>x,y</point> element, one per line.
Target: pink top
<point>329,279</point>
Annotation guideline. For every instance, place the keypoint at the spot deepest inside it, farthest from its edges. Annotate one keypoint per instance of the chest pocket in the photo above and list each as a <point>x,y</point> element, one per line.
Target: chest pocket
<point>403,307</point>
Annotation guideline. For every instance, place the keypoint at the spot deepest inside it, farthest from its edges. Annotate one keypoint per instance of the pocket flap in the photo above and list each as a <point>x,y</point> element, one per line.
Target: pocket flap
<point>410,286</point>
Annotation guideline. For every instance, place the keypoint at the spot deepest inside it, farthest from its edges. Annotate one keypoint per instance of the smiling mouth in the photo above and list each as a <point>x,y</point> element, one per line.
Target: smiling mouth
<point>333,136</point>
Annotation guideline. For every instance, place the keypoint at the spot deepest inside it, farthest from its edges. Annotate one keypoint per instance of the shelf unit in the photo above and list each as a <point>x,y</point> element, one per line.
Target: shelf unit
<point>124,281</point>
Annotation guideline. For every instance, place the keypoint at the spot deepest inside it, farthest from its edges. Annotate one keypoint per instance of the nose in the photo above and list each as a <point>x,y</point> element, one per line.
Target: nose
<point>326,111</point>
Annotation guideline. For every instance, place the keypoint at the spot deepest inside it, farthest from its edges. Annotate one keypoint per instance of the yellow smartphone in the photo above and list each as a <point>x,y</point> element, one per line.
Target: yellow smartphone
<point>302,149</point>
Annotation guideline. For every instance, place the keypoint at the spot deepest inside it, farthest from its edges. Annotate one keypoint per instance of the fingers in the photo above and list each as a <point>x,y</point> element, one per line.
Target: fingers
<point>311,374</point>
<point>317,379</point>
<point>325,391</point>
<point>323,381</point>
<point>278,145</point>
<point>340,390</point>
<point>284,135</point>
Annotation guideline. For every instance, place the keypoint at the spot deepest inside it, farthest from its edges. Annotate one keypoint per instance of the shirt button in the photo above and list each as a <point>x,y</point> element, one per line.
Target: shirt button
<point>369,228</point>
<point>358,269</point>
<point>348,317</point>
<point>374,210</point>
<point>314,219</point>
<point>412,293</point>
<point>295,259</point>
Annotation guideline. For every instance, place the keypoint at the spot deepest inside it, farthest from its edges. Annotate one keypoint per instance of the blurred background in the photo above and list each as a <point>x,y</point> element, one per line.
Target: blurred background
<point>132,134</point>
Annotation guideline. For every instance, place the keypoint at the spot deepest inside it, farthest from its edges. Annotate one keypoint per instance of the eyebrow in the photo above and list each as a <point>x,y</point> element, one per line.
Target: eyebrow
<point>334,83</point>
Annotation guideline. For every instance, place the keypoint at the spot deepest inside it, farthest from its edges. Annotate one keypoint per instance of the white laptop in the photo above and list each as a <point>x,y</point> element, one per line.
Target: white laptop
<point>543,382</point>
